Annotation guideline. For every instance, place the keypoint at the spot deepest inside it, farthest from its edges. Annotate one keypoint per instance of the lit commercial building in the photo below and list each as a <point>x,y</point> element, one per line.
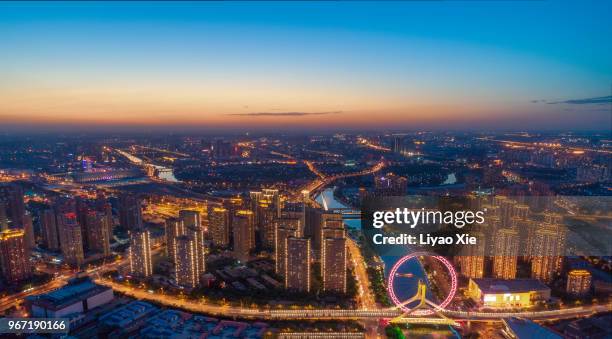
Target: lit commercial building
<point>218,224</point>
<point>244,234</point>
<point>506,252</point>
<point>71,239</point>
<point>297,262</point>
<point>500,293</point>
<point>578,282</point>
<point>140,253</point>
<point>14,258</point>
<point>186,264</point>
<point>79,296</point>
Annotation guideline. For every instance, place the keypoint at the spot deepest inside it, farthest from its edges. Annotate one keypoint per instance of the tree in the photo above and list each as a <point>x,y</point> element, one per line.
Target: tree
<point>394,332</point>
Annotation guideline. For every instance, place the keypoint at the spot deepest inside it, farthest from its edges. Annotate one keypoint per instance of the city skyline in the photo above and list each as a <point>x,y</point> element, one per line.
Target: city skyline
<point>305,66</point>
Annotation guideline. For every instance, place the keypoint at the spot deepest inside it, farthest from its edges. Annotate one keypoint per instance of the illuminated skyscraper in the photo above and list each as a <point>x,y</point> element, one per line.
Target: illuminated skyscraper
<point>49,229</point>
<point>140,253</point>
<point>99,232</point>
<point>297,263</point>
<point>186,262</point>
<point>174,229</point>
<point>219,226</point>
<point>578,282</point>
<point>71,239</point>
<point>195,231</point>
<point>14,260</point>
<point>506,252</point>
<point>244,234</point>
<point>285,228</point>
<point>548,251</point>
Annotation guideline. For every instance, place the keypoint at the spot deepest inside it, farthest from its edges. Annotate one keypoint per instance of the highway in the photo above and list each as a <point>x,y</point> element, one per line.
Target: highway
<point>324,180</point>
<point>340,314</point>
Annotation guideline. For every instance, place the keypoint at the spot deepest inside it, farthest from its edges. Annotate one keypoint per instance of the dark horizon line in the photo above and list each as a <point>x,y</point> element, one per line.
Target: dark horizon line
<point>233,131</point>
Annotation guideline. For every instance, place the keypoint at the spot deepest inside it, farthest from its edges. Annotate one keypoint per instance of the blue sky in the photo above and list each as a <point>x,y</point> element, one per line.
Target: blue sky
<point>489,64</point>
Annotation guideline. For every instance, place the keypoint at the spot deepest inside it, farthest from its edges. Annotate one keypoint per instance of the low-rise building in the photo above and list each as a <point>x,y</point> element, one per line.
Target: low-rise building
<point>126,319</point>
<point>500,293</point>
<point>518,328</point>
<point>78,297</point>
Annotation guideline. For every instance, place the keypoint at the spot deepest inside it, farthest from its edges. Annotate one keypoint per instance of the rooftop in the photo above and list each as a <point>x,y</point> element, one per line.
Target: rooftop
<point>126,315</point>
<point>491,285</point>
<point>525,328</point>
<point>76,290</point>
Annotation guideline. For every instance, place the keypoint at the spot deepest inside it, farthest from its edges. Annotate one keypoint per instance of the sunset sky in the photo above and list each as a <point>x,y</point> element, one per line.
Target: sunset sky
<point>319,65</point>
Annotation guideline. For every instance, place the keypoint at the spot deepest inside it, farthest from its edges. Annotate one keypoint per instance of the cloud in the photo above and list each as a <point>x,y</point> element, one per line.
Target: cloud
<point>285,114</point>
<point>586,101</point>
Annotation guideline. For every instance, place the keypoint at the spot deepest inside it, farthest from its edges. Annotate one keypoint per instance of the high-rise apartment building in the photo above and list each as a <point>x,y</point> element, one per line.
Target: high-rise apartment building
<point>218,226</point>
<point>244,234</point>
<point>578,282</point>
<point>140,253</point>
<point>186,262</point>
<point>174,229</point>
<point>12,206</point>
<point>14,258</point>
<point>506,253</point>
<point>285,228</point>
<point>297,263</point>
<point>28,228</point>
<point>130,212</point>
<point>49,229</point>
<point>548,250</point>
<point>333,264</point>
<point>471,259</point>
<point>195,230</point>
<point>99,232</point>
<point>71,239</point>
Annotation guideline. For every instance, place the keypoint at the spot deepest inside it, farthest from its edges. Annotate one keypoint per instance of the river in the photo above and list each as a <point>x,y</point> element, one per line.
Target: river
<point>405,286</point>
<point>162,172</point>
<point>408,275</point>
